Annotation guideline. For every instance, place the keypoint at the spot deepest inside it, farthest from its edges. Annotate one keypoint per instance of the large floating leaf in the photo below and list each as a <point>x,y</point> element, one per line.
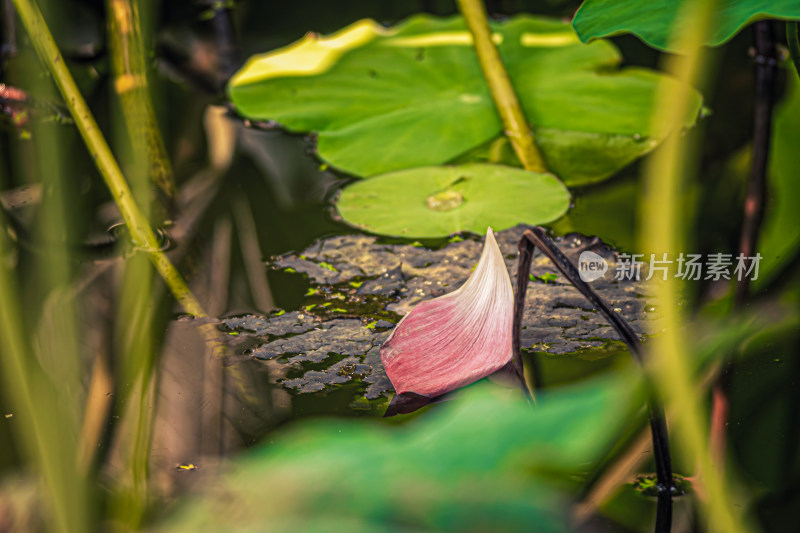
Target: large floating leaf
<point>384,99</point>
<point>470,466</point>
<point>437,201</point>
<point>653,20</point>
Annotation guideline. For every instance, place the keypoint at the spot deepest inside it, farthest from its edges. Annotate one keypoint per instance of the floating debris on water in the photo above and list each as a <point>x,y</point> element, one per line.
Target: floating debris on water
<point>360,288</point>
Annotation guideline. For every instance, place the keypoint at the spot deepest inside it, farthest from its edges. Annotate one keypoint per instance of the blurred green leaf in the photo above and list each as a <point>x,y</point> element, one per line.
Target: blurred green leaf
<point>728,335</point>
<point>466,466</point>
<point>653,20</point>
<point>384,99</point>
<point>780,233</point>
<point>437,201</point>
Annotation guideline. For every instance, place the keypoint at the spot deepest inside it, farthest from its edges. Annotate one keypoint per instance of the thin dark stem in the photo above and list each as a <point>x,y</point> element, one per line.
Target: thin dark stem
<point>180,64</point>
<point>535,374</point>
<point>224,39</point>
<point>766,60</point>
<point>523,267</point>
<point>537,237</point>
<point>8,42</point>
<point>766,69</point>
<point>793,40</point>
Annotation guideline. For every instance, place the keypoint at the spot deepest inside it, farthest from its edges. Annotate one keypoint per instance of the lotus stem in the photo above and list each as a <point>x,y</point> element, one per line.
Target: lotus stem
<point>138,226</point>
<point>505,98</point>
<point>766,71</point>
<point>537,237</point>
<point>523,268</point>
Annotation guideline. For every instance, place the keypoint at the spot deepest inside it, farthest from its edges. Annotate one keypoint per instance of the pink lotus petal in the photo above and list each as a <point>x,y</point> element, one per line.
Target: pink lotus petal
<point>456,339</point>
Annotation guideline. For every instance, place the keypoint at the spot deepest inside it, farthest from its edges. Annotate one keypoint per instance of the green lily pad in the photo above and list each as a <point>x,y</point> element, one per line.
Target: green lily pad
<point>653,20</point>
<point>431,202</point>
<point>384,99</point>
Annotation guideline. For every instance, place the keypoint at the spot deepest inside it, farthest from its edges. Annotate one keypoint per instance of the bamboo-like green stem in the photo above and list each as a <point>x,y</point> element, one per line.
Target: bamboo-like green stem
<point>505,98</point>
<point>662,231</point>
<point>138,226</point>
<point>128,64</point>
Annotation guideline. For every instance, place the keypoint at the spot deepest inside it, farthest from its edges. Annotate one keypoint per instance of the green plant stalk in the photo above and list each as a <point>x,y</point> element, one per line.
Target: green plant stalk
<point>39,325</point>
<point>662,231</point>
<point>55,329</point>
<point>137,224</point>
<point>55,332</point>
<point>36,410</point>
<point>128,64</point>
<point>135,339</point>
<point>139,144</point>
<point>793,40</point>
<point>505,98</point>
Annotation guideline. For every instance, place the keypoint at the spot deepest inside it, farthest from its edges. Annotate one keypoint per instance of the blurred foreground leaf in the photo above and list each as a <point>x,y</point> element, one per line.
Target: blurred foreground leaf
<point>469,465</point>
<point>653,20</point>
<point>780,233</point>
<point>385,99</point>
<point>438,201</point>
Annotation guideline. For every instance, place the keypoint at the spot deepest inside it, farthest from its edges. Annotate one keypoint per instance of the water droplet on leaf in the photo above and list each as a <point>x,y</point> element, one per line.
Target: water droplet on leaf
<point>444,201</point>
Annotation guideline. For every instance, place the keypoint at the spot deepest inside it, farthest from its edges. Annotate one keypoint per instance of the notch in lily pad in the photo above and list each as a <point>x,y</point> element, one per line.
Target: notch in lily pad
<point>432,202</point>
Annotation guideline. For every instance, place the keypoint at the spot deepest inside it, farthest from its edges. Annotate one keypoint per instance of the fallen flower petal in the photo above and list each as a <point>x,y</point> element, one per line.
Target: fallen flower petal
<point>454,340</point>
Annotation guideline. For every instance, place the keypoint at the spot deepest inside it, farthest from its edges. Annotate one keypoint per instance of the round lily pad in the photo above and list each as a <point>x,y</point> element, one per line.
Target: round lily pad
<point>430,202</point>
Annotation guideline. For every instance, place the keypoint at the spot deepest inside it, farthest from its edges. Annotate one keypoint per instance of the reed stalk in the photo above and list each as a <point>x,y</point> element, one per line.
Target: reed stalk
<point>138,226</point>
<point>662,230</point>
